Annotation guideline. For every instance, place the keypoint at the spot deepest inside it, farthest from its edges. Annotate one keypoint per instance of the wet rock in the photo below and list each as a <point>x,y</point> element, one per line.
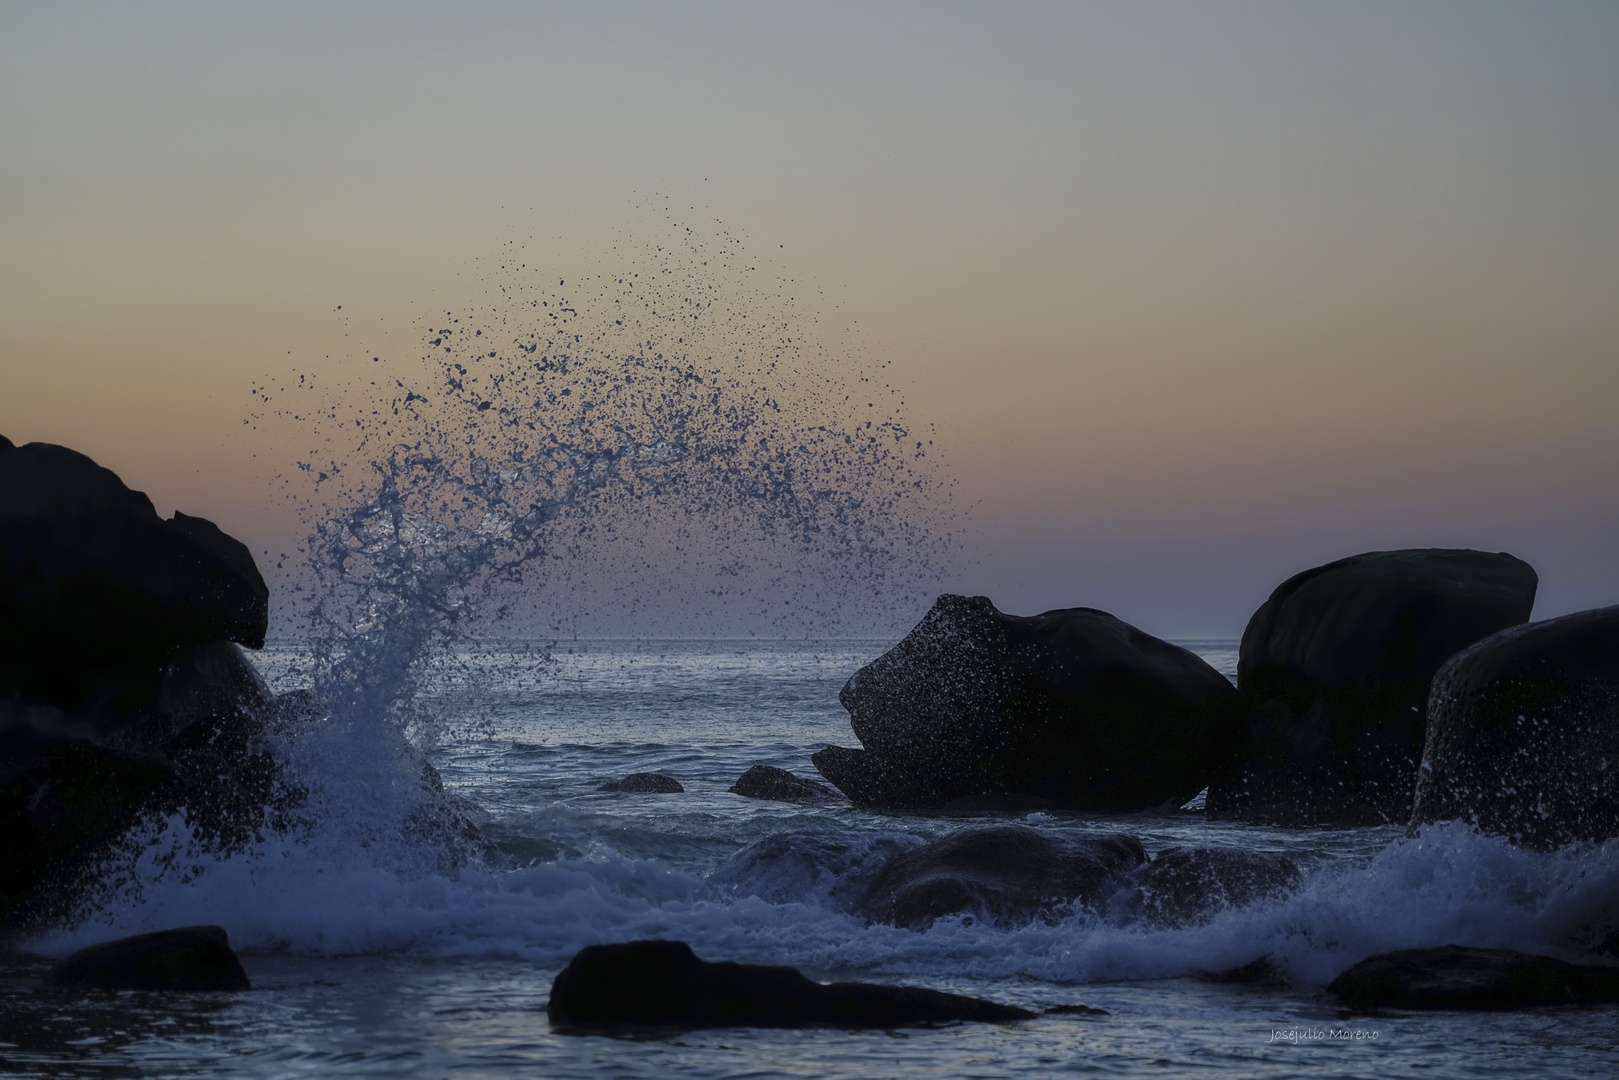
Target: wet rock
<point>98,594</point>
<point>806,868</point>
<point>1262,972</point>
<point>1072,707</point>
<point>122,690</point>
<point>1186,885</point>
<point>645,783</point>
<point>1523,734</point>
<point>1456,977</point>
<point>664,984</point>
<point>769,782</point>
<point>1005,874</point>
<point>1336,667</point>
<point>195,958</point>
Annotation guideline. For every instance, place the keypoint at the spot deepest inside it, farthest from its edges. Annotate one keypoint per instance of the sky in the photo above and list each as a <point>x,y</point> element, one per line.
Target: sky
<point>1191,297</point>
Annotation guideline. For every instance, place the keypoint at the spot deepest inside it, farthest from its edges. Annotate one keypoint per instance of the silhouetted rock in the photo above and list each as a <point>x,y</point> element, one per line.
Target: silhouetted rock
<point>645,783</point>
<point>1001,873</point>
<point>121,693</point>
<point>1523,734</point>
<point>195,958</point>
<point>98,594</point>
<point>769,782</point>
<point>831,871</point>
<point>1183,885</point>
<point>1336,667</point>
<point>1072,707</point>
<point>1262,972</point>
<point>1456,977</point>
<point>664,984</point>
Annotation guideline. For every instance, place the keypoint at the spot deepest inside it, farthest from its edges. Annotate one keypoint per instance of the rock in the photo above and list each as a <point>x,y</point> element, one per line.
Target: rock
<point>196,958</point>
<point>663,983</point>
<point>645,783</point>
<point>769,782</point>
<point>1073,708</point>
<point>1456,977</point>
<point>1523,734</point>
<point>98,594</point>
<point>806,868</point>
<point>1262,972</point>
<point>1186,885</point>
<point>71,784</point>
<point>1336,667</point>
<point>1005,874</point>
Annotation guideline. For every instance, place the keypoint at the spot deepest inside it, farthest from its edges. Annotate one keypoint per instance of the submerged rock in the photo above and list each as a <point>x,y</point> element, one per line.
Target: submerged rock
<point>1523,734</point>
<point>1071,707</point>
<point>1186,885</point>
<point>645,783</point>
<point>1000,873</point>
<point>195,958</point>
<point>1456,977</point>
<point>664,984</point>
<point>803,867</point>
<point>1336,667</point>
<point>769,782</point>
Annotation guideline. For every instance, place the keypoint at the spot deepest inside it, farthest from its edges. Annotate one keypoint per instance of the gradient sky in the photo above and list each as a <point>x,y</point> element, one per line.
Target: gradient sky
<point>1195,295</point>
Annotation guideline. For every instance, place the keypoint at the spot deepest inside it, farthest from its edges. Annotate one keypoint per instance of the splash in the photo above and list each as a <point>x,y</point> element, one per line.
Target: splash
<point>681,442</point>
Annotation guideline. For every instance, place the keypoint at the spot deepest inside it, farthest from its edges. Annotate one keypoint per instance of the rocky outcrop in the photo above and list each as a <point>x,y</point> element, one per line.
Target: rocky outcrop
<point>98,594</point>
<point>645,783</point>
<point>769,782</point>
<point>122,693</point>
<point>1072,707</point>
<point>664,984</point>
<point>1455,977</point>
<point>1523,734</point>
<point>1336,667</point>
<point>1182,885</point>
<point>192,958</point>
<point>1006,874</point>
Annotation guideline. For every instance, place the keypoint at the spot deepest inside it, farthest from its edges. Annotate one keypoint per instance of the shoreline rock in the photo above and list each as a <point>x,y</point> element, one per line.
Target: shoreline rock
<point>195,959</point>
<point>1457,977</point>
<point>664,984</point>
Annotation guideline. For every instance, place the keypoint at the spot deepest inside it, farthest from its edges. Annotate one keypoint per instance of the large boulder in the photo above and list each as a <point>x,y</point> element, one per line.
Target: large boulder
<point>192,958</point>
<point>122,690</point>
<point>1005,874</point>
<point>1523,734</point>
<point>98,594</point>
<point>1336,667</point>
<point>1457,977</point>
<point>664,984</point>
<point>1072,707</point>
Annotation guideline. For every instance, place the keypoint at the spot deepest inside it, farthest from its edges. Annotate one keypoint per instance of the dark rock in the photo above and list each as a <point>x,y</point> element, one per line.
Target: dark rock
<point>1456,977</point>
<point>1336,667</point>
<point>803,867</point>
<point>196,958</point>
<point>1001,873</point>
<point>1523,734</point>
<point>645,783</point>
<point>769,782</point>
<point>664,984</point>
<point>1074,1010</point>
<point>1185,885</point>
<point>1262,972</point>
<point>98,594</point>
<point>1072,707</point>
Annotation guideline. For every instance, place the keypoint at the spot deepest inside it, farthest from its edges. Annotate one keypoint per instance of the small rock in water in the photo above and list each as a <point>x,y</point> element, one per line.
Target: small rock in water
<point>645,783</point>
<point>1261,972</point>
<point>194,958</point>
<point>1457,977</point>
<point>664,984</point>
<point>769,782</point>
<point>1187,885</point>
<point>1004,873</point>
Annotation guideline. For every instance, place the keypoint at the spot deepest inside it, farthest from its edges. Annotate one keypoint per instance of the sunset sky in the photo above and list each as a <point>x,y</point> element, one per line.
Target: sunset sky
<point>1194,296</point>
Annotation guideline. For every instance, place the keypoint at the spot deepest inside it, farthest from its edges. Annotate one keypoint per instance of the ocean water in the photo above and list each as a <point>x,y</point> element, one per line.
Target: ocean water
<point>384,940</point>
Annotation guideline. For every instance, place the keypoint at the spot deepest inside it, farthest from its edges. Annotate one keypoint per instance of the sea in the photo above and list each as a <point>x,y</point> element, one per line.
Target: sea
<point>397,931</point>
